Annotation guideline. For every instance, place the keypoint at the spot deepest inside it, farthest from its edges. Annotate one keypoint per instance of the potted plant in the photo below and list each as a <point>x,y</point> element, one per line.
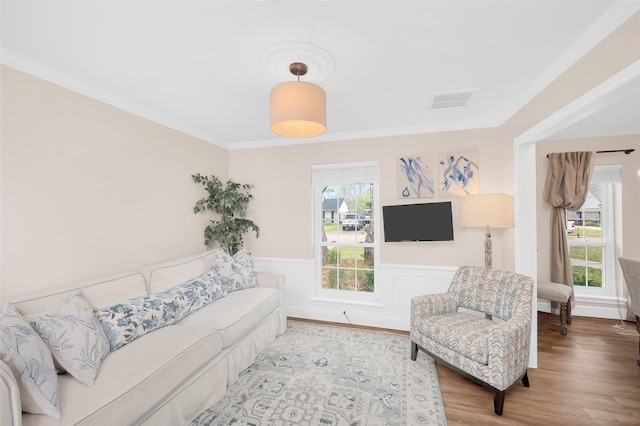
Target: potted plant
<point>230,201</point>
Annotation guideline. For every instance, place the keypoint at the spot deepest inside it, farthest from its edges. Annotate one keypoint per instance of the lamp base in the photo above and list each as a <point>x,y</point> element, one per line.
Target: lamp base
<point>487,248</point>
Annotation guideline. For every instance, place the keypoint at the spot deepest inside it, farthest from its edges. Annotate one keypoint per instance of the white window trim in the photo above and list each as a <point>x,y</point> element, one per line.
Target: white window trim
<point>345,174</point>
<point>607,294</point>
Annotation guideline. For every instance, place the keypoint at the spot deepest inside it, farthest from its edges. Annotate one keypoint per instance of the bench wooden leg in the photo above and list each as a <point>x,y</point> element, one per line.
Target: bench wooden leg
<point>564,314</point>
<point>638,328</point>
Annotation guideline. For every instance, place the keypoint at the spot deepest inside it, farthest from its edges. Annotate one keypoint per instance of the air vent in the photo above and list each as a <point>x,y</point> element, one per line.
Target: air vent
<point>455,99</point>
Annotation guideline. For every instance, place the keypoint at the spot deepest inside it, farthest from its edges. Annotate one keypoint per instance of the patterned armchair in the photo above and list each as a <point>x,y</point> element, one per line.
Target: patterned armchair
<point>492,350</point>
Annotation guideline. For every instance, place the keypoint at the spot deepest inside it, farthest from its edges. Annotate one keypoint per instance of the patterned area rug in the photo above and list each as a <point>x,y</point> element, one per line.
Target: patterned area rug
<point>329,375</point>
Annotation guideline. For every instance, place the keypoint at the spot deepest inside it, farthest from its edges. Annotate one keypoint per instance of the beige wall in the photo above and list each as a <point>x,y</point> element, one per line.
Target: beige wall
<point>89,190</point>
<point>283,196</point>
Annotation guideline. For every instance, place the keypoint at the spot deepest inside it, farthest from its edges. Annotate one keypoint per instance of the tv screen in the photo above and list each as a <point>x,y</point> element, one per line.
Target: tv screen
<point>418,222</point>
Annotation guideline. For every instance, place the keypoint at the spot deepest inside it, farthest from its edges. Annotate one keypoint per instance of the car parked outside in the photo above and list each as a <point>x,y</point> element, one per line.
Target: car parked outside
<point>353,221</point>
<point>571,226</point>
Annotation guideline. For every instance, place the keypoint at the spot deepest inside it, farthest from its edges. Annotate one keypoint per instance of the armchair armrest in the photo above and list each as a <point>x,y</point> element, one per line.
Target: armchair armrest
<point>509,351</point>
<point>429,305</point>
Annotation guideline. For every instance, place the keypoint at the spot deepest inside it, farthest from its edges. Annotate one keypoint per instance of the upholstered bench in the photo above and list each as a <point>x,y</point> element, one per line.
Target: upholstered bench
<point>560,293</point>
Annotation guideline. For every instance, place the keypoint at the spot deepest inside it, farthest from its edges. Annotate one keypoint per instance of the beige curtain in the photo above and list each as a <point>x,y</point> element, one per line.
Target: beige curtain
<point>566,187</point>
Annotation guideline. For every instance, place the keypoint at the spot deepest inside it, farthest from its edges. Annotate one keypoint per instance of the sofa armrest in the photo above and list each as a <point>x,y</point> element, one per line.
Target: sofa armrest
<point>10,406</point>
<point>509,351</point>
<point>270,279</point>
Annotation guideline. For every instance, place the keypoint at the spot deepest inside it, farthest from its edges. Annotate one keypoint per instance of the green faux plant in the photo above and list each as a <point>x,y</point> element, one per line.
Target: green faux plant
<point>230,201</point>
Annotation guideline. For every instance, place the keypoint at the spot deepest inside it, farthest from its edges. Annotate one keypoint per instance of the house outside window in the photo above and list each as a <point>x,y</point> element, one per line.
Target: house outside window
<point>333,209</point>
<point>591,235</point>
<point>345,243</point>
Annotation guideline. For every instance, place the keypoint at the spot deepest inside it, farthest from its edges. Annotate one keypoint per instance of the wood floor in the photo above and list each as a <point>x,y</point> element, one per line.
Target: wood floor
<point>588,377</point>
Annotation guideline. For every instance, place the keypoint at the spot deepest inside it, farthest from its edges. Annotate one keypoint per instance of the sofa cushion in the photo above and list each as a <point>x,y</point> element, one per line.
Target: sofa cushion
<point>467,334</point>
<point>24,351</point>
<point>126,321</point>
<point>74,335</point>
<point>137,378</point>
<point>237,313</point>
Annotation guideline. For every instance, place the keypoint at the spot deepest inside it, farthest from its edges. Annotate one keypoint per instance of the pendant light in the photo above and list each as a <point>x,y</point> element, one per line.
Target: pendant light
<point>298,108</point>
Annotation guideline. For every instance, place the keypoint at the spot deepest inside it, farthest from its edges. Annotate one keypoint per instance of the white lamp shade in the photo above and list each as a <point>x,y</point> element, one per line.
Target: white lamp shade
<point>298,109</point>
<point>482,210</point>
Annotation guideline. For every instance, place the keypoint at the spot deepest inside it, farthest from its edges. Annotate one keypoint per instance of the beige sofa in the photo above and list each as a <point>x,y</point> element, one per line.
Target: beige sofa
<point>171,374</point>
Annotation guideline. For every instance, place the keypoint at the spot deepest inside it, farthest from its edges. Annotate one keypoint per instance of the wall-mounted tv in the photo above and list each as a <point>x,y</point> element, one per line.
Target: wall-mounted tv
<point>418,222</point>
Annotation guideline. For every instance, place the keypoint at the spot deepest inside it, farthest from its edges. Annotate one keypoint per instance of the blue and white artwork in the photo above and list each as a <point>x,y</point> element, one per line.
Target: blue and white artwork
<point>459,174</point>
<point>416,176</point>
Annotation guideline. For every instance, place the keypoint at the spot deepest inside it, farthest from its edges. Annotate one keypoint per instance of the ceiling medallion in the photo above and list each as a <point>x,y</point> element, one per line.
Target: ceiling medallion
<point>277,59</point>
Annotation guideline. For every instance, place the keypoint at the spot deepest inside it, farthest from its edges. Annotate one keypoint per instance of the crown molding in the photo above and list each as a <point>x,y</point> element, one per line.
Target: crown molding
<point>617,15</point>
<point>365,134</point>
<point>36,69</point>
<point>580,108</point>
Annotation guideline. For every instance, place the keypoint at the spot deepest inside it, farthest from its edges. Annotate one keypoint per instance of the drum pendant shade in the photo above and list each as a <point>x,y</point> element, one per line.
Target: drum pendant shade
<point>298,109</point>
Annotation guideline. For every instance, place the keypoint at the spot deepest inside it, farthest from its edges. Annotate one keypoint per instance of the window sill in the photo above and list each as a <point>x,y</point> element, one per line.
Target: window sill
<point>600,299</point>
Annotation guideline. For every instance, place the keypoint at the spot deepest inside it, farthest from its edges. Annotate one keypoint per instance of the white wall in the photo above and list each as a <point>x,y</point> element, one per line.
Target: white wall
<point>398,284</point>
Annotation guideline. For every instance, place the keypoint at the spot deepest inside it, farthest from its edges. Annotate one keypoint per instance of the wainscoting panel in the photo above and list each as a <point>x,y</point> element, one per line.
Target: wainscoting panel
<point>297,272</point>
<point>409,281</point>
<point>395,286</point>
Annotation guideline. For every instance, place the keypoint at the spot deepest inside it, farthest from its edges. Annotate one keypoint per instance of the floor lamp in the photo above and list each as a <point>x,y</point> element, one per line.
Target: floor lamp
<point>487,211</point>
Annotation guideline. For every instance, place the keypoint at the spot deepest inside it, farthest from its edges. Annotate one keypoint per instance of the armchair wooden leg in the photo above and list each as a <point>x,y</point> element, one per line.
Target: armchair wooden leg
<point>525,380</point>
<point>414,351</point>
<point>498,401</point>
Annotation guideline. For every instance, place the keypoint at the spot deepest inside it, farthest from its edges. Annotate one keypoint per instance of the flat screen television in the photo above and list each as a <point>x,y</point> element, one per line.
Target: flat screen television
<point>418,222</point>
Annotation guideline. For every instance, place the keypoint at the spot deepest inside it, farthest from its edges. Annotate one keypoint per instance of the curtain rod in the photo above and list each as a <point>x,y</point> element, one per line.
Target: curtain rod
<point>626,151</point>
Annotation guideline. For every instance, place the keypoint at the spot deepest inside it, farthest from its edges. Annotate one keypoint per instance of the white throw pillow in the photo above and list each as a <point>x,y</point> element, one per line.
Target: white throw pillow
<point>74,336</point>
<point>24,351</point>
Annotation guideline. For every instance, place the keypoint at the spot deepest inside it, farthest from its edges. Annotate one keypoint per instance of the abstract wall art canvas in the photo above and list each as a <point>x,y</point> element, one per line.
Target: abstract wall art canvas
<point>416,176</point>
<point>459,174</point>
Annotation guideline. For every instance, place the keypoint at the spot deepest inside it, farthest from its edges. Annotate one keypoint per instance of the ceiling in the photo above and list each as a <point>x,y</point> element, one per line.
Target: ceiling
<point>199,67</point>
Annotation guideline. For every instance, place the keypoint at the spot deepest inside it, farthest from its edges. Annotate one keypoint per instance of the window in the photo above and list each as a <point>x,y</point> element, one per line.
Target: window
<point>591,236</point>
<point>345,228</point>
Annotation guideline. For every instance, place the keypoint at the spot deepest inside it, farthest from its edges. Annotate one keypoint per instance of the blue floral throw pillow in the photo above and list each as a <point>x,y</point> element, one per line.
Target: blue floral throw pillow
<point>236,272</point>
<point>124,322</point>
<point>75,337</point>
<point>22,349</point>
